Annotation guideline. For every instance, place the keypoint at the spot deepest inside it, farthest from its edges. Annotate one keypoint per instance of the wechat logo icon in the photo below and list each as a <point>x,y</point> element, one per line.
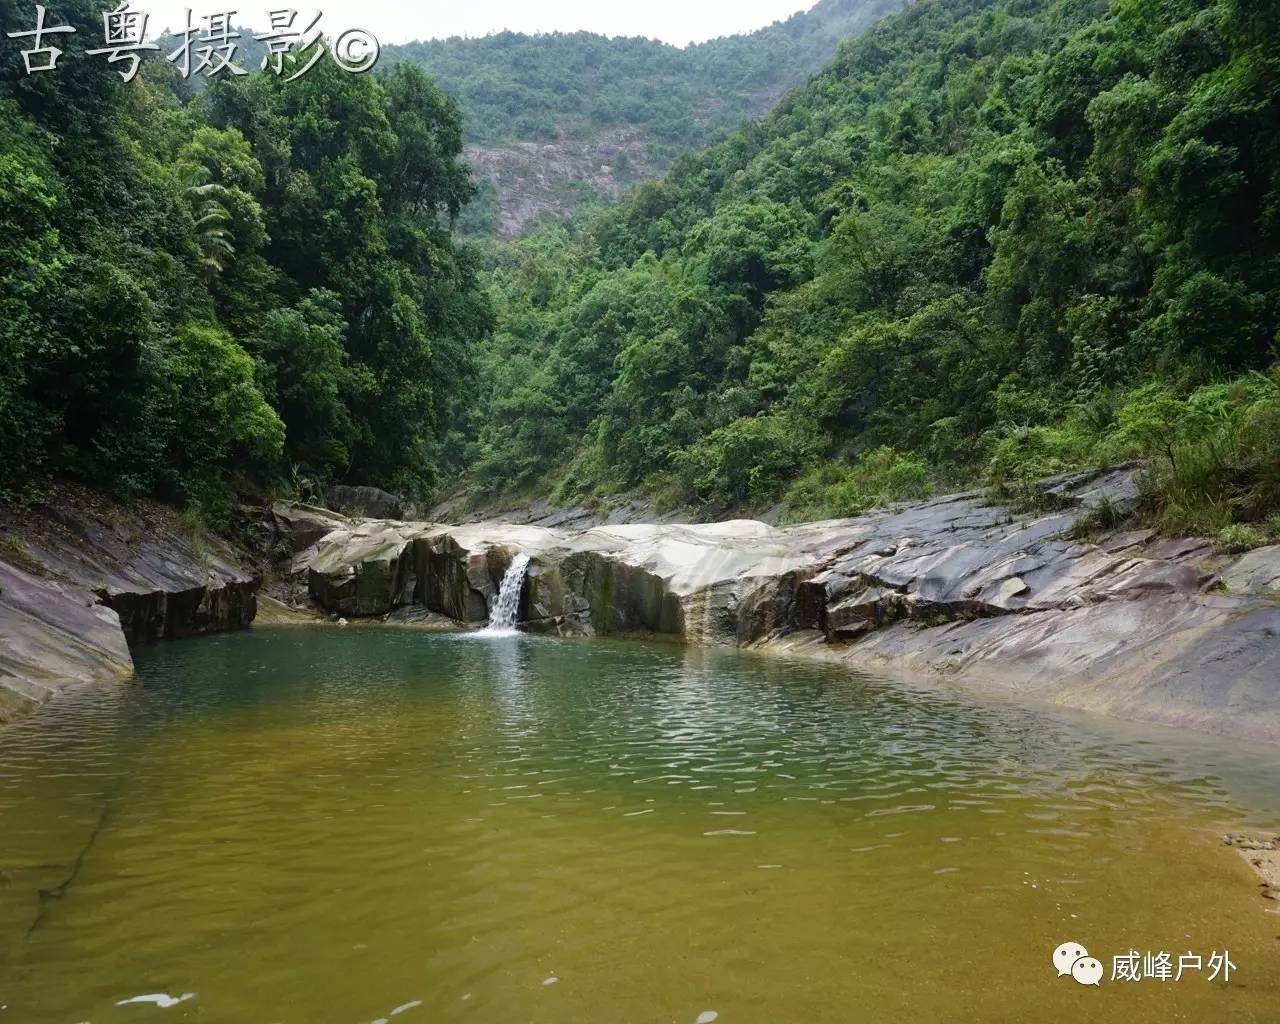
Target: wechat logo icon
<point>1074,960</point>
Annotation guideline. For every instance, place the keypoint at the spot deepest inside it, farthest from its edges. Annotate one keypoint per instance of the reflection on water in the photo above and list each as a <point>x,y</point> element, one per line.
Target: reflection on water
<point>297,825</point>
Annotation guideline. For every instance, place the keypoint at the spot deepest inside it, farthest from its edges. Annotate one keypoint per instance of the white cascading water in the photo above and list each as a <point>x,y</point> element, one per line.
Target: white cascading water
<point>506,606</point>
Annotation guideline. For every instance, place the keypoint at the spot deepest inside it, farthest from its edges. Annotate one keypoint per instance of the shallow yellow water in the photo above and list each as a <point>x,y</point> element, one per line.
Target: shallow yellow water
<point>315,826</point>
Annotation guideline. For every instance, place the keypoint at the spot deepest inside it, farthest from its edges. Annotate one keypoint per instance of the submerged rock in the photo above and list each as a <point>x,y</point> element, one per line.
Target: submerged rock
<point>1131,626</point>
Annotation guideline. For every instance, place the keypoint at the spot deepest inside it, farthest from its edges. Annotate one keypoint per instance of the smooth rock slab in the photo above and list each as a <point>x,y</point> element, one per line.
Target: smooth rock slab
<point>162,582</point>
<point>1258,572</point>
<point>83,578</point>
<point>53,636</point>
<point>1135,626</point>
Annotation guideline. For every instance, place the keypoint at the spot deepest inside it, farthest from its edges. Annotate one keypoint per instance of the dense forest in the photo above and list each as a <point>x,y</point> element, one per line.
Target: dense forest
<point>256,289</point>
<point>517,86</point>
<point>993,240</point>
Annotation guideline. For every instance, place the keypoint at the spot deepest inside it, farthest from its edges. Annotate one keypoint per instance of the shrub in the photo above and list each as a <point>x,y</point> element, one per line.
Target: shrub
<point>750,459</point>
<point>1212,454</point>
<point>878,477</point>
<point>1106,515</point>
<point>1026,455</point>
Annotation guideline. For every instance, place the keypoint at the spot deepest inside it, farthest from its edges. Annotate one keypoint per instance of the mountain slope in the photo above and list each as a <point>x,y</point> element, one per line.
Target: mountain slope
<point>994,239</point>
<point>553,120</point>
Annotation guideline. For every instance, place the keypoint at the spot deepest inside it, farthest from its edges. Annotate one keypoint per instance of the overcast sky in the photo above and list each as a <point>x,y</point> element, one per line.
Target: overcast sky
<point>397,21</point>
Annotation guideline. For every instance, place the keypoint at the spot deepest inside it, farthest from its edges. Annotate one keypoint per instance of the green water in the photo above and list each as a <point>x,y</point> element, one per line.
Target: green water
<point>326,826</point>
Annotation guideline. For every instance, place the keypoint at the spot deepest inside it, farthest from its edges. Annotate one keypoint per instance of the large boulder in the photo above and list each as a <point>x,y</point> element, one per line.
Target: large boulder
<point>367,501</point>
<point>364,571</point>
<point>303,526</point>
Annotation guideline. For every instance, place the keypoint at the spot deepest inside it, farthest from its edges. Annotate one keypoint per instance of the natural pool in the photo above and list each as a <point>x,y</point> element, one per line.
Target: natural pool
<point>314,825</point>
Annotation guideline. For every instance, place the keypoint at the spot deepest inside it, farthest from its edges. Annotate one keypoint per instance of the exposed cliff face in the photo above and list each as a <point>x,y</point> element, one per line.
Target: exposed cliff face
<point>559,118</point>
<point>1168,632</point>
<point>534,181</point>
<point>85,579</point>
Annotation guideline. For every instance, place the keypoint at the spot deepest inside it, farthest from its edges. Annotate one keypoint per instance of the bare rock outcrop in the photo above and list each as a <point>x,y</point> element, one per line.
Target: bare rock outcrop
<point>1124,623</point>
<point>54,635</point>
<point>82,579</point>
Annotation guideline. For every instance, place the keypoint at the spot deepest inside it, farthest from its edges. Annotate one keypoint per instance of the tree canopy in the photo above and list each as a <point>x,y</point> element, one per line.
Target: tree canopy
<point>257,284</point>
<point>964,244</point>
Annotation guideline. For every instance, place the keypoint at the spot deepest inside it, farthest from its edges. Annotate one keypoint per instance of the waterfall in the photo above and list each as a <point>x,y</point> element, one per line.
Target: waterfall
<point>506,606</point>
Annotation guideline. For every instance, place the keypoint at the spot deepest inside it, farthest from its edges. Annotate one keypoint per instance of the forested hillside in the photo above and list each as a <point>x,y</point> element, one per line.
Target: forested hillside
<point>554,120</point>
<point>994,239</point>
<point>251,291</point>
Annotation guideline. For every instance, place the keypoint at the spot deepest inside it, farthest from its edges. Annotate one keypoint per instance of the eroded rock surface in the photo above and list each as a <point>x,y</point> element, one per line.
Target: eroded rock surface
<point>83,579</point>
<point>367,501</point>
<point>161,581</point>
<point>1125,623</point>
<point>54,635</point>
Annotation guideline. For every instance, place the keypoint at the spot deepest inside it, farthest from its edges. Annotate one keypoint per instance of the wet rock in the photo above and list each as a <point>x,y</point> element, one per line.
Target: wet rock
<point>1262,853</point>
<point>420,618</point>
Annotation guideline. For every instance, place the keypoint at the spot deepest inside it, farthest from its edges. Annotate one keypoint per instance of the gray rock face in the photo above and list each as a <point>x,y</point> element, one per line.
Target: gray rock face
<point>1256,572</point>
<point>367,501</point>
<point>53,635</point>
<point>82,580</point>
<point>1127,625</point>
<point>162,583</point>
<point>303,526</point>
<point>366,570</point>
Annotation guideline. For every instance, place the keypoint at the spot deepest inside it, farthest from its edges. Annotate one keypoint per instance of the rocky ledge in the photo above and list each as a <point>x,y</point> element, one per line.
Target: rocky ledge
<point>82,579</point>
<point>1123,622</point>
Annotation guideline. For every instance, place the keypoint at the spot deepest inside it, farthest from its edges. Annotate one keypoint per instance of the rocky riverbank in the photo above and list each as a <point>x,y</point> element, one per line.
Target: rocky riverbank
<point>1119,622</point>
<point>1047,604</point>
<point>82,579</point>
